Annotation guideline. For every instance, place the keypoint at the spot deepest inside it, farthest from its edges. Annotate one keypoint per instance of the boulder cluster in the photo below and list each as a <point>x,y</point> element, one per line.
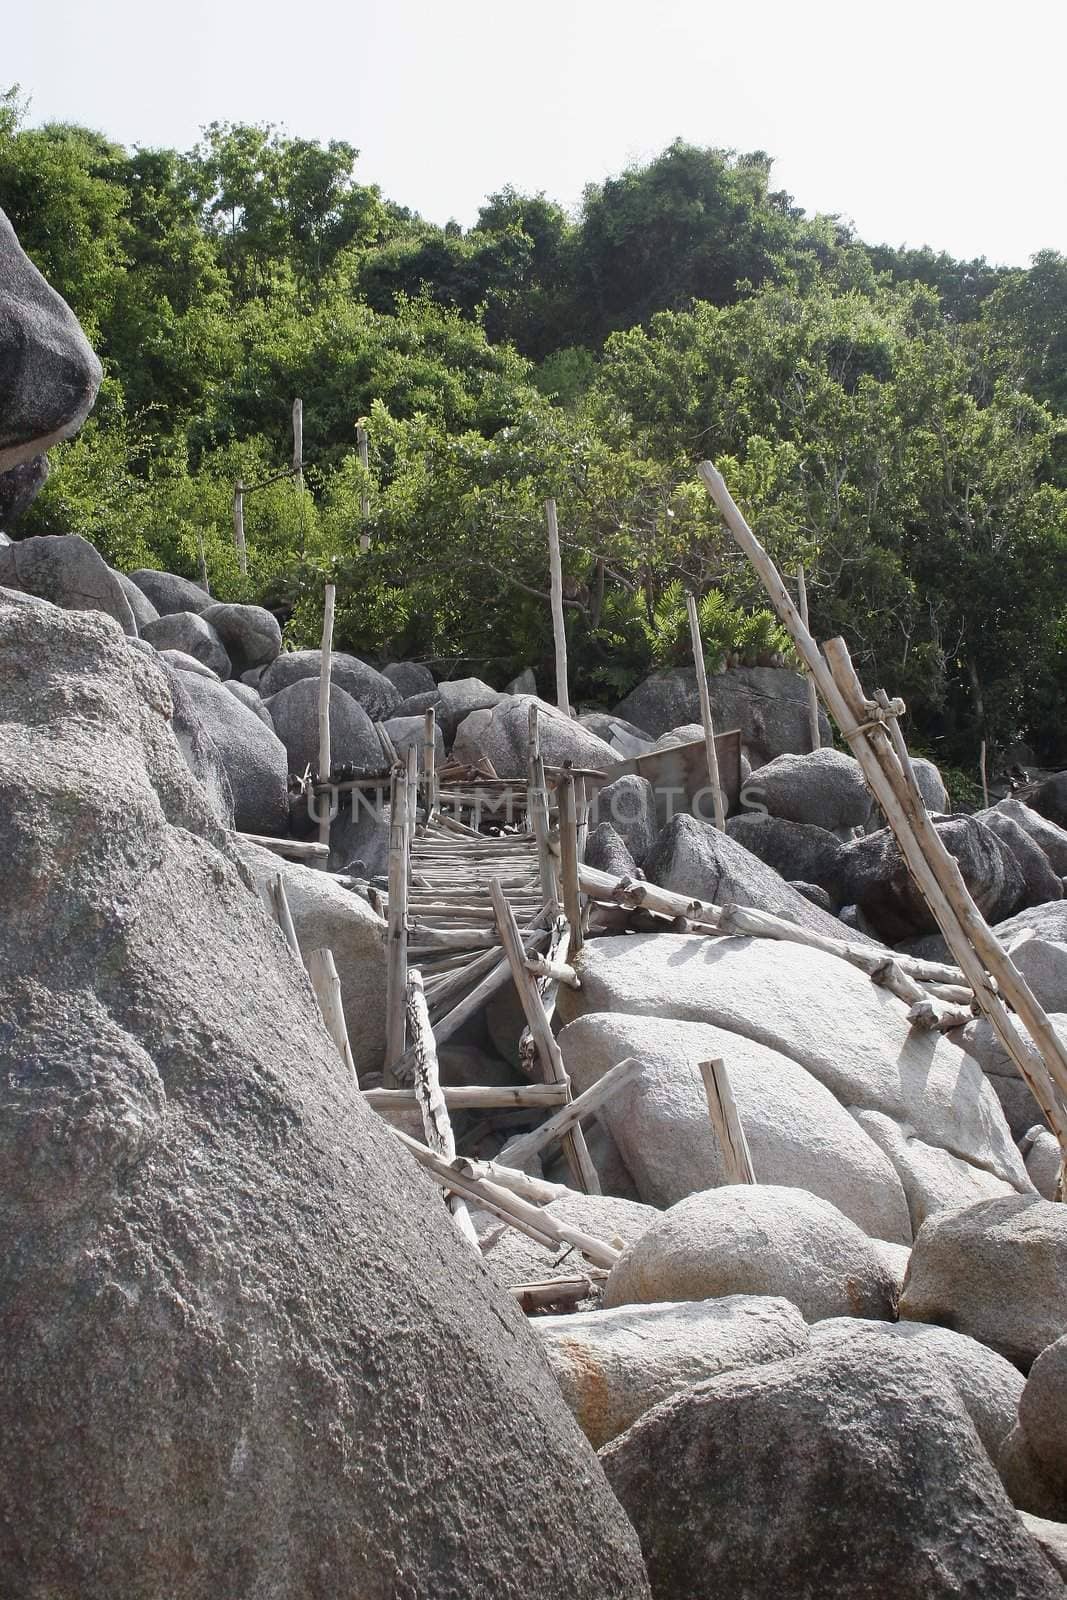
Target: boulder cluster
<point>247,1353</point>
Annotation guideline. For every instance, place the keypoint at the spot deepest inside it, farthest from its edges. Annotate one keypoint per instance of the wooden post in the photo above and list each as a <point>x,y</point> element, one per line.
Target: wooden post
<point>559,634</point>
<point>239,525</point>
<point>411,764</point>
<point>396,956</point>
<point>298,442</point>
<point>427,1082</point>
<point>574,1145</point>
<point>202,562</point>
<point>364,499</point>
<point>1042,1060</point>
<point>568,858</point>
<point>518,1151</point>
<point>705,713</point>
<point>722,1109</point>
<point>985,781</point>
<point>280,902</point>
<point>322,971</point>
<point>325,675</point>
<point>429,762</point>
<point>537,810</point>
<point>813,694</point>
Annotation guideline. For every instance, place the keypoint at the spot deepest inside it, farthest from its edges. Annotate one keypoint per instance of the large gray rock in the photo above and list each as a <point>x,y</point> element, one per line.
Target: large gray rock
<point>202,755</point>
<point>931,785</point>
<point>756,1239</point>
<point>143,609</point>
<point>295,714</point>
<point>326,916</point>
<point>989,1387</point>
<point>406,731</point>
<point>359,835</point>
<point>822,1013</point>
<point>1041,1152</point>
<point>190,633</point>
<point>1049,799</point>
<point>249,698</point>
<point>409,677</point>
<point>378,697</point>
<point>1043,963</point>
<point>796,850</point>
<point>624,738</point>
<point>607,852</point>
<point>1051,838</point>
<point>19,488</point>
<point>1033,1461</point>
<point>50,374</point>
<point>997,1271</point>
<point>768,704</point>
<point>223,1372</point>
<point>694,858</point>
<point>825,788</point>
<point>629,806</point>
<point>799,1136</point>
<point>169,593</point>
<point>252,754</point>
<point>877,880</point>
<point>64,569</point>
<point>183,663</point>
<point>501,733</point>
<point>613,1366</point>
<point>250,634</point>
<point>934,1177</point>
<point>1041,882</point>
<point>845,1474</point>
<point>1050,1538</point>
<point>981,1041</point>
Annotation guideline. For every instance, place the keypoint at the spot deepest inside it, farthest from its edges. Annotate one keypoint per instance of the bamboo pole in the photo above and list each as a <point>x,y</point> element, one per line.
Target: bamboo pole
<point>548,988</point>
<point>722,1109</point>
<point>325,675</point>
<point>551,1292</point>
<point>510,1207</point>
<point>364,499</point>
<point>985,780</point>
<point>1042,1059</point>
<point>705,713</point>
<point>813,694</point>
<point>322,971</point>
<point>574,1145</point>
<point>201,557</point>
<point>239,525</point>
<point>537,806</point>
<point>475,1097</point>
<point>568,858</point>
<point>298,442</point>
<point>280,902</point>
<point>559,634</point>
<point>396,969</point>
<point>517,1152</point>
<point>427,1082</point>
<point>429,762</point>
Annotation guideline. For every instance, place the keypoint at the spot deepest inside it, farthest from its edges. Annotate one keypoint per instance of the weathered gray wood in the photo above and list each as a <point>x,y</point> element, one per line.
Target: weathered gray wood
<point>574,1146</point>
<point>239,526</point>
<point>292,849</point>
<point>322,970</point>
<point>551,1292</point>
<point>569,860</point>
<point>722,1109</point>
<point>559,632</point>
<point>429,762</point>
<point>363,445</point>
<point>475,1097</point>
<point>325,675</point>
<point>1042,1060</point>
<point>814,734</point>
<point>396,959</point>
<point>298,442</point>
<point>431,1101</point>
<point>705,712</point>
<point>280,901</point>
<point>517,1152</point>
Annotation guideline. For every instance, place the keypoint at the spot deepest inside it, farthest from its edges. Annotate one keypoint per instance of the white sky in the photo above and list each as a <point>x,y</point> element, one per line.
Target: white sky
<point>925,121</point>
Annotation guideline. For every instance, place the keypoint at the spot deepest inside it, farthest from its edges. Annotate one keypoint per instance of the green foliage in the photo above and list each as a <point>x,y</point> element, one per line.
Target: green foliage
<point>892,419</point>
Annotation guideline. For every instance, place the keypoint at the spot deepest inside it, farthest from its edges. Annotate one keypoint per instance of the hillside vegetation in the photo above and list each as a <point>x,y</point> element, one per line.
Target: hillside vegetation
<point>892,418</point>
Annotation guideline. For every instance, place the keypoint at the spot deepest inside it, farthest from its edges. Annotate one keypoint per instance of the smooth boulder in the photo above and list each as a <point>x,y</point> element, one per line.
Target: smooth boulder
<point>251,752</point>
<point>794,849</point>
<point>756,1239</point>
<point>501,734</point>
<point>66,570</point>
<point>170,593</point>
<point>629,806</point>
<point>844,1474</point>
<point>410,677</point>
<point>768,704</point>
<point>250,634</point>
<point>224,1370</point>
<point>376,695</point>
<point>50,372</point>
<point>190,633</point>
<point>1033,1462</point>
<point>997,1271</point>
<point>825,788</point>
<point>353,740</point>
<point>613,1366</point>
<point>1040,880</point>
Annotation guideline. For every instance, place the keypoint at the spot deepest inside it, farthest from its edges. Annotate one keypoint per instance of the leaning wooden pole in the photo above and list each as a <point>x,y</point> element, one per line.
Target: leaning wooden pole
<point>239,525</point>
<point>322,970</point>
<point>364,499</point>
<point>559,633</point>
<point>1041,1059</point>
<point>722,1110</point>
<point>325,755</point>
<point>427,1083</point>
<point>813,694</point>
<point>396,948</point>
<point>705,713</point>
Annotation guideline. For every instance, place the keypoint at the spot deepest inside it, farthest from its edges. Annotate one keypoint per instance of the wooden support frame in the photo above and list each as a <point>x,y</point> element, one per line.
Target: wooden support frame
<point>559,632</point>
<point>396,949</point>
<point>876,741</point>
<point>574,1146</point>
<point>517,1152</point>
<point>429,764</point>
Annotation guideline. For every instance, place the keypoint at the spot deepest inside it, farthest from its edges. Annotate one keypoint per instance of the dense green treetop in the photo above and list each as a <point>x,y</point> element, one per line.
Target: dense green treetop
<point>893,418</point>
